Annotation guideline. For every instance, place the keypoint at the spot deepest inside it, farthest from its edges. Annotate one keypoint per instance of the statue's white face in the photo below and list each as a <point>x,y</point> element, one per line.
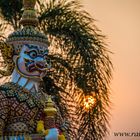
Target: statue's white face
<point>32,62</point>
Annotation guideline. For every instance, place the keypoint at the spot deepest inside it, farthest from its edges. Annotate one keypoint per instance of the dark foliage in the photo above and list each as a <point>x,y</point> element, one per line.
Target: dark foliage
<point>11,11</point>
<point>80,61</point>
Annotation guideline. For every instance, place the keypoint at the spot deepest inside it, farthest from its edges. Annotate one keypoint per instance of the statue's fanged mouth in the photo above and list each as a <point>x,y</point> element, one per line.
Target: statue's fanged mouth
<point>35,66</point>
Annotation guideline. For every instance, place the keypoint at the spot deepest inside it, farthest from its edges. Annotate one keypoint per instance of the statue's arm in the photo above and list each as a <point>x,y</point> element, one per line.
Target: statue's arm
<point>4,108</point>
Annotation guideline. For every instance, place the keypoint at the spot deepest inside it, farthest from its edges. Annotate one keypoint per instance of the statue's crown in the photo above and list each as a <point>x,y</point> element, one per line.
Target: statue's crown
<point>28,34</point>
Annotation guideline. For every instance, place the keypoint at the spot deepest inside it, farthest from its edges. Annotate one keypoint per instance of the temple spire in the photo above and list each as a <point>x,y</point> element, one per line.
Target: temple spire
<point>29,17</point>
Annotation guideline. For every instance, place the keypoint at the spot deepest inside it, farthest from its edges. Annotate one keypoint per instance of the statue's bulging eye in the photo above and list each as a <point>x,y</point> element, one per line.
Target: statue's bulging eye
<point>33,54</point>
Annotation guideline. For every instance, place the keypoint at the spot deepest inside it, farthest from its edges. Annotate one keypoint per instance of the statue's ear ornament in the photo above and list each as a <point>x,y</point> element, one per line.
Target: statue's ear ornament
<point>7,52</point>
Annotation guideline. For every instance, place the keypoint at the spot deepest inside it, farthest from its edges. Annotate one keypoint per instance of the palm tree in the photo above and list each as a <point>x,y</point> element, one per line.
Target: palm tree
<point>81,62</point>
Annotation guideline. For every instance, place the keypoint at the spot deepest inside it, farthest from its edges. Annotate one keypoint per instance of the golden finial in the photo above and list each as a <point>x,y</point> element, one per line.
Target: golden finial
<point>50,110</point>
<point>29,17</point>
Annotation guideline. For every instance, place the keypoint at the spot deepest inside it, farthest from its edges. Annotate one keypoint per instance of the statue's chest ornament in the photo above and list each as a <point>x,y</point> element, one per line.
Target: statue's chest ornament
<point>32,100</point>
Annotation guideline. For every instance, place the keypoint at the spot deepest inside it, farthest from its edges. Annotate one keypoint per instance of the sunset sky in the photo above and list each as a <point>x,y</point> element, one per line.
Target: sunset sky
<point>119,20</point>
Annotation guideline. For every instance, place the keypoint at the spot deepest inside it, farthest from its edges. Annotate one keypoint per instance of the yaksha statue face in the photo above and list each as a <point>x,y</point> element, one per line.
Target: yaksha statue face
<point>32,61</point>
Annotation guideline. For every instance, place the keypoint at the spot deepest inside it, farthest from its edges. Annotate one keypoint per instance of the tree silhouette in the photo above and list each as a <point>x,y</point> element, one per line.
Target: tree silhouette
<point>80,59</point>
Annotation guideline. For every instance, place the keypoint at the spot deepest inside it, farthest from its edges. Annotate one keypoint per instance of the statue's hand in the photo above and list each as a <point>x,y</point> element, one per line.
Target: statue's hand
<point>53,134</point>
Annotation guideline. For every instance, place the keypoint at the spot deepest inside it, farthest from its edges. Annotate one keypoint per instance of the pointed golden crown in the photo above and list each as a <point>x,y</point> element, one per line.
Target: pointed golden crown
<point>50,110</point>
<point>29,16</point>
<point>28,34</point>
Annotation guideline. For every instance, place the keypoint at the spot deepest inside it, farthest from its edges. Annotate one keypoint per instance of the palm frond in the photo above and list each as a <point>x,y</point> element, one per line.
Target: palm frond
<point>73,32</point>
<point>11,11</point>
